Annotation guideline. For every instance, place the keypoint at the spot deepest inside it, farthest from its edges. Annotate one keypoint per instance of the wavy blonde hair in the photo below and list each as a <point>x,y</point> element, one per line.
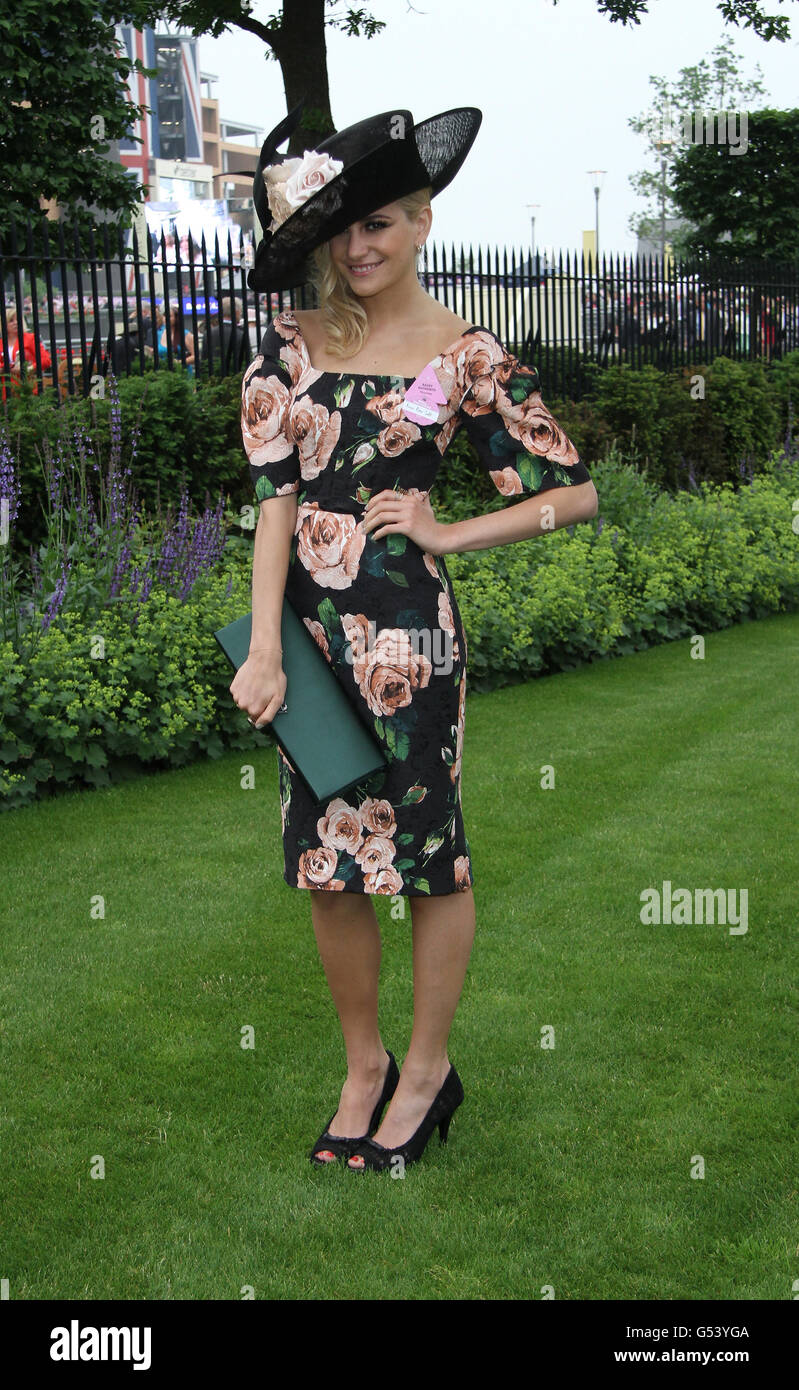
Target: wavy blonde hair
<point>343,315</point>
<point>22,322</point>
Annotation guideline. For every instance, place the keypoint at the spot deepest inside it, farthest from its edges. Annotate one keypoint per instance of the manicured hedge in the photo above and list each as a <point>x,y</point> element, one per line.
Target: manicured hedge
<point>649,568</point>
<point>715,423</point>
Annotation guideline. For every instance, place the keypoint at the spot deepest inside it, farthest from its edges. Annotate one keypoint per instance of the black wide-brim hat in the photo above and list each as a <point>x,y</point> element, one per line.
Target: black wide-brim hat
<point>385,158</point>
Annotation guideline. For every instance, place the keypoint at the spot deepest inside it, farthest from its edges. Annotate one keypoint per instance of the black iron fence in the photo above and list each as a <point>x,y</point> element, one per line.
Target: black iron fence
<point>67,316</point>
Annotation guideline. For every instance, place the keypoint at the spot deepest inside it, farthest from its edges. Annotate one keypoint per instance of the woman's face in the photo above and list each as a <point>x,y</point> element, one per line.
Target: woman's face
<point>379,250</point>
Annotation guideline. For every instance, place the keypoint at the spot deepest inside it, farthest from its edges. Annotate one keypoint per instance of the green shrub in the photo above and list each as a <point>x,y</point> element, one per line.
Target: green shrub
<point>783,378</point>
<point>100,699</point>
<point>81,711</point>
<point>742,396</point>
<point>190,430</point>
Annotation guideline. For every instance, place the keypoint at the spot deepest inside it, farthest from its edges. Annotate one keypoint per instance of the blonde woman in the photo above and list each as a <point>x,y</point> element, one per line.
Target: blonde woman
<point>346,412</point>
<point>14,325</point>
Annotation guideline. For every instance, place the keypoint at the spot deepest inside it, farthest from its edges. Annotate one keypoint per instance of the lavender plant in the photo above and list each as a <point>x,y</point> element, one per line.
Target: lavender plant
<point>98,549</point>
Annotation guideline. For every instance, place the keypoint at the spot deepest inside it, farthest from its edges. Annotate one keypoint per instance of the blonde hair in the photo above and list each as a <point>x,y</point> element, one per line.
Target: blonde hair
<point>343,315</point>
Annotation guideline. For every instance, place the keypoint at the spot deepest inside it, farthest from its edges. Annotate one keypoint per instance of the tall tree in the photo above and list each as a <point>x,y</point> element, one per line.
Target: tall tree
<point>63,93</point>
<point>704,87</point>
<point>744,205</point>
<point>296,39</point>
<point>63,101</point>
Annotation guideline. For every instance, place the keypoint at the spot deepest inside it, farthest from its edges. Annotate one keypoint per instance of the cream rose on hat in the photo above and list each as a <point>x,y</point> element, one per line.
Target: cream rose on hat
<point>289,184</point>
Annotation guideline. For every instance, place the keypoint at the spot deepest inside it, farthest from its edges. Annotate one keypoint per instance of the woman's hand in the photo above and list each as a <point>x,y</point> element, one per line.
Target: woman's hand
<point>259,686</point>
<point>388,511</point>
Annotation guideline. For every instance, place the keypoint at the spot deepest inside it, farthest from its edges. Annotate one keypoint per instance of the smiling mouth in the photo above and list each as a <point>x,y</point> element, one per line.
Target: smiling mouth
<point>365,269</point>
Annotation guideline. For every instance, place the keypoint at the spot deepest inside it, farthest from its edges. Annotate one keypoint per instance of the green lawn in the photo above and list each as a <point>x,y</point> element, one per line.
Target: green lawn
<point>567,1166</point>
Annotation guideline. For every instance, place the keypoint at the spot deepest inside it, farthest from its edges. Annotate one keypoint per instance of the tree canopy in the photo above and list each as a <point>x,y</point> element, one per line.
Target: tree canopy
<point>63,84</point>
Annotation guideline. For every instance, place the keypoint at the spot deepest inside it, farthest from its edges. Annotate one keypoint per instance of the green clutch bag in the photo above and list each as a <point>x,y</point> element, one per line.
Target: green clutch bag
<point>320,732</point>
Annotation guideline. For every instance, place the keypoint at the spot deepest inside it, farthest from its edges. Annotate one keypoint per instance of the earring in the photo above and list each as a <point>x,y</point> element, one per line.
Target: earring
<point>418,249</point>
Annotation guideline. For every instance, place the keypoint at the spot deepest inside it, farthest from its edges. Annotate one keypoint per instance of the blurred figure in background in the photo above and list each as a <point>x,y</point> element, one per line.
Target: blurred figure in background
<point>12,370</point>
<point>182,347</point>
<point>226,345</point>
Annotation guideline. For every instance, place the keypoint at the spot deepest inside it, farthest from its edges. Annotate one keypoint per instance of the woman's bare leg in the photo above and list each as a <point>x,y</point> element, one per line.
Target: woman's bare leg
<point>443,933</point>
<point>348,937</point>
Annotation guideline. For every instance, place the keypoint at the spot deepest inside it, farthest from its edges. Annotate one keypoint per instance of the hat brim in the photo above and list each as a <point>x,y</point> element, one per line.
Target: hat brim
<point>390,170</point>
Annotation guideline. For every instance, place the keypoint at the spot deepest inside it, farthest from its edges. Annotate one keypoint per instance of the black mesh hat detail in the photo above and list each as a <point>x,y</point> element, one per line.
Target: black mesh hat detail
<point>385,157</point>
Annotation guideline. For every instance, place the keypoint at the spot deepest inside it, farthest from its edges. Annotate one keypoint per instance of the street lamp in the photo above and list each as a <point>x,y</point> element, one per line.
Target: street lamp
<point>663,145</point>
<point>532,228</point>
<point>597,176</point>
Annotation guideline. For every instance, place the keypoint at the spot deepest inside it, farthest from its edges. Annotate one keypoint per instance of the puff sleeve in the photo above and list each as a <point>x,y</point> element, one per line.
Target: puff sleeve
<point>266,398</point>
<point>518,441</point>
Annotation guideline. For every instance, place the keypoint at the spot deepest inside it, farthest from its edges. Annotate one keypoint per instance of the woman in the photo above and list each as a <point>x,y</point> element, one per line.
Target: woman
<point>182,349</point>
<point>343,453</point>
<point>14,358</point>
<point>768,327</point>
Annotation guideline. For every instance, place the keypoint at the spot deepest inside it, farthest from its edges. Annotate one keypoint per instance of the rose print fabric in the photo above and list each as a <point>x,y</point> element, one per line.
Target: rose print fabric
<point>383,611</point>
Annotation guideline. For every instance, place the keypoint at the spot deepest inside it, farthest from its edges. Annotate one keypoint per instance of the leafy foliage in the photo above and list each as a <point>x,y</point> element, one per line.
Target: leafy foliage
<point>649,568</point>
<point>745,205</point>
<point>714,83</point>
<point>63,83</point>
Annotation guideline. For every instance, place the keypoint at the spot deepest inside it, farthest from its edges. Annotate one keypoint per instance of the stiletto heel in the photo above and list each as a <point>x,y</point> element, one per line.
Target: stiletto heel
<point>342,1146</point>
<point>377,1157</point>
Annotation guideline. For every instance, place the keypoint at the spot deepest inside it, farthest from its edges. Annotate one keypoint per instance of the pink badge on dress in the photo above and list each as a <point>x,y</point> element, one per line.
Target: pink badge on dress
<point>423,397</point>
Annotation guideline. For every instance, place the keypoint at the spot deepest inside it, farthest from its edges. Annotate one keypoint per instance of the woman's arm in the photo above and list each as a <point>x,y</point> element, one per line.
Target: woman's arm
<point>534,516</point>
<point>388,511</point>
<point>276,521</point>
<point>259,686</point>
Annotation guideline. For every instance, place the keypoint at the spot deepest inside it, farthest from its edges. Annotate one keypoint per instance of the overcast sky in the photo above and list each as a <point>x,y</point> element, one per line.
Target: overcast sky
<point>556,85</point>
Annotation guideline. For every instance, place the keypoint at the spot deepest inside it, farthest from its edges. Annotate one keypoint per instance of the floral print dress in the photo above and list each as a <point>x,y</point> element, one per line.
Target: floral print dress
<point>382,610</point>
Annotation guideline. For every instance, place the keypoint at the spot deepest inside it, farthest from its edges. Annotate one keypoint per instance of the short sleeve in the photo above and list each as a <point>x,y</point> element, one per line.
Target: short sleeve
<point>518,441</point>
<point>266,397</point>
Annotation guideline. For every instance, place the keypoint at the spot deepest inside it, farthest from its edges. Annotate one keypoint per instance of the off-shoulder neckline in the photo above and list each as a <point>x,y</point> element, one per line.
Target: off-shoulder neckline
<point>287,315</point>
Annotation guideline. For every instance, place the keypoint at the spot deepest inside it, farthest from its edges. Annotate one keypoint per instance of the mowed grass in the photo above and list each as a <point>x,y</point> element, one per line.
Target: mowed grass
<point>567,1166</point>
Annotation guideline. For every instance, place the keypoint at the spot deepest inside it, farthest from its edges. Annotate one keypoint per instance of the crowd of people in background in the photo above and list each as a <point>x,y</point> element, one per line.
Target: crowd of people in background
<point>706,320</point>
<point>227,345</point>
<point>618,323</point>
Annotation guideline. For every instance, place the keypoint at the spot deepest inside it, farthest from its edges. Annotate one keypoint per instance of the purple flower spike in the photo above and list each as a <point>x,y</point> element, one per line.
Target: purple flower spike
<point>54,606</point>
<point>9,482</point>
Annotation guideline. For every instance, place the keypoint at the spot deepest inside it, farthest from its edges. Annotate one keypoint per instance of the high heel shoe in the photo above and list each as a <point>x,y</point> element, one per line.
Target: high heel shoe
<point>377,1157</point>
<point>341,1146</point>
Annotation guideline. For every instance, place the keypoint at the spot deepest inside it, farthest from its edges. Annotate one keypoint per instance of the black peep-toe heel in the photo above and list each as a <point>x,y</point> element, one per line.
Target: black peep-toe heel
<point>377,1157</point>
<point>342,1147</point>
